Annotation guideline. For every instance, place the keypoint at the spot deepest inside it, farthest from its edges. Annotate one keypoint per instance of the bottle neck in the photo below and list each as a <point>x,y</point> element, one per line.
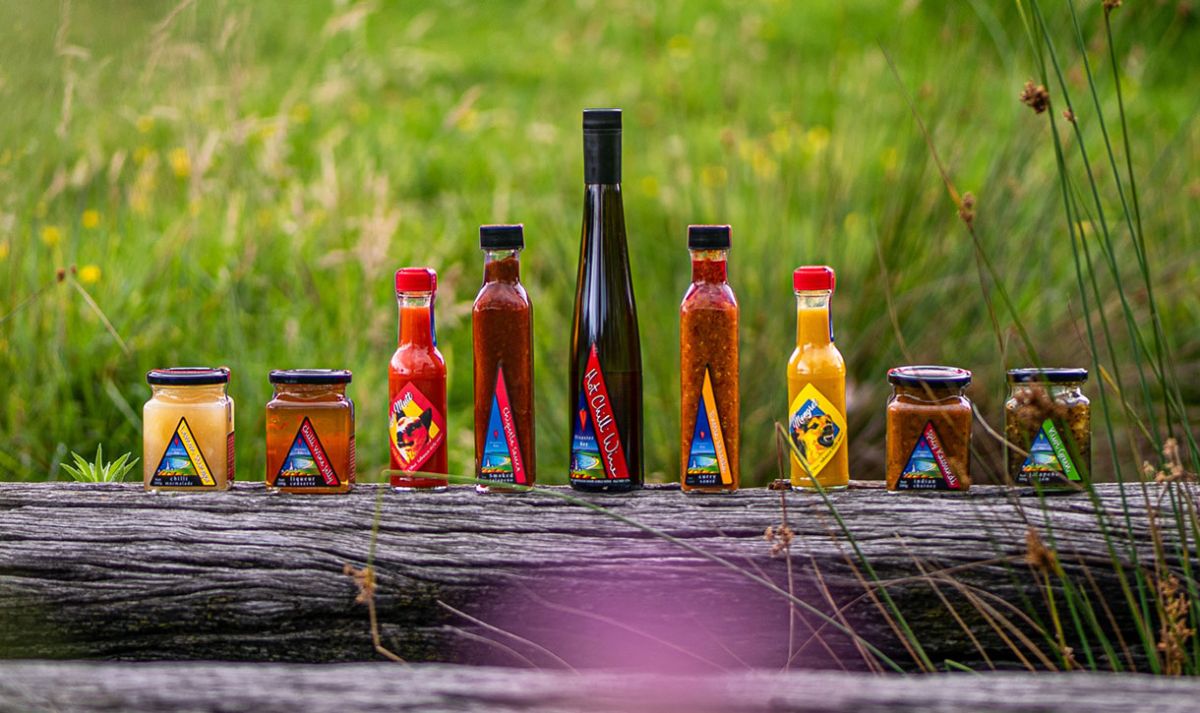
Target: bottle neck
<point>309,392</point>
<point>814,324</point>
<point>710,266</point>
<point>602,157</point>
<point>416,318</point>
<point>502,266</point>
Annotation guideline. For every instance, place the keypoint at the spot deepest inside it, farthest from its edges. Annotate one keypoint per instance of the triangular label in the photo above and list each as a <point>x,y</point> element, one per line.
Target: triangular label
<point>307,465</point>
<point>182,464</point>
<point>1048,460</point>
<point>927,467</point>
<point>708,463</point>
<point>502,461</point>
<point>596,450</point>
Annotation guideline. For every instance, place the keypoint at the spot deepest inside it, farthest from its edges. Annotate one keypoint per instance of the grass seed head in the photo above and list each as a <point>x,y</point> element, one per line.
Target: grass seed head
<point>1035,97</point>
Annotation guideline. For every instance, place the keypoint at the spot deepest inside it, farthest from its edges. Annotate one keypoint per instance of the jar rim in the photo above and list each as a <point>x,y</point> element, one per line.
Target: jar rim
<point>929,375</point>
<point>188,376</point>
<point>1034,375</point>
<point>310,376</point>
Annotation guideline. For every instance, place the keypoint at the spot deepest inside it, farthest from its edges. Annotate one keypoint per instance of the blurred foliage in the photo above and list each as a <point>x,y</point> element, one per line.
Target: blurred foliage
<point>235,182</point>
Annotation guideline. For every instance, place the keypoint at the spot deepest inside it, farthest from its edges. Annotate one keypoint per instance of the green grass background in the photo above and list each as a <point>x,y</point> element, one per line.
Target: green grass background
<point>237,181</point>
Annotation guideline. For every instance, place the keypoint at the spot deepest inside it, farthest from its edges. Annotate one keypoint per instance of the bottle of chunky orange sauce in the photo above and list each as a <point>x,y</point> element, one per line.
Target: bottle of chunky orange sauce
<point>417,387</point>
<point>817,386</point>
<point>708,368</point>
<point>502,336</point>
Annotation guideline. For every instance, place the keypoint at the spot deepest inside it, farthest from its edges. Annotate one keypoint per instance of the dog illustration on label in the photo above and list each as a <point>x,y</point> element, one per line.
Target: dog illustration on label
<point>816,427</point>
<point>416,430</point>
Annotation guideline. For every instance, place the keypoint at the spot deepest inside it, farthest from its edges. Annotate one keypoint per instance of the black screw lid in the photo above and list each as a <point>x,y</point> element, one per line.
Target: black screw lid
<point>601,121</point>
<point>310,376</point>
<point>1047,376</point>
<point>502,237</point>
<point>708,237</point>
<point>188,376</point>
<point>933,376</point>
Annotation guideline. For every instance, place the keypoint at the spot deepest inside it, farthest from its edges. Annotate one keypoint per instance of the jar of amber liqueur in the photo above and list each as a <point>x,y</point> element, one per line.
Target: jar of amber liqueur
<point>1048,427</point>
<point>310,432</point>
<point>187,430</point>
<point>929,429</point>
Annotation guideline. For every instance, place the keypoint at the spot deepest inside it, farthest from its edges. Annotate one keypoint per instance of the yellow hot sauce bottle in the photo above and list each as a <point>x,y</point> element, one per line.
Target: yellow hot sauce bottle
<point>817,386</point>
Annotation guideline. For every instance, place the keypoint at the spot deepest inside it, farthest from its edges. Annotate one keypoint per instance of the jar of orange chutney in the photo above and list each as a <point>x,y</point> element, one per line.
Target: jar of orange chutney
<point>310,432</point>
<point>187,430</point>
<point>929,429</point>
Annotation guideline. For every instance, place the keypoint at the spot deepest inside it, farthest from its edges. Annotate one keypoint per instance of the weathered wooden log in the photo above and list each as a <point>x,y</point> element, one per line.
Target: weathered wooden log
<point>284,688</point>
<point>109,571</point>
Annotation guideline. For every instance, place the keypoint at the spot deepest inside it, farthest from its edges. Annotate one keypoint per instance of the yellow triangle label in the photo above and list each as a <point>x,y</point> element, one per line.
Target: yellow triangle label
<point>182,464</point>
<point>817,428</point>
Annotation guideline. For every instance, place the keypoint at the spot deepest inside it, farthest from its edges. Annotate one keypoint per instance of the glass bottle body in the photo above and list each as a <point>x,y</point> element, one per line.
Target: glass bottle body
<point>816,376</point>
<point>708,377</point>
<point>606,364</point>
<point>417,390</point>
<point>502,337</point>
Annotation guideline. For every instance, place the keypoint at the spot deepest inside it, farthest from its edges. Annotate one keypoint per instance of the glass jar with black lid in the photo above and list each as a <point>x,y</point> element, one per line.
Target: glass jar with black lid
<point>310,432</point>
<point>1048,427</point>
<point>929,421</point>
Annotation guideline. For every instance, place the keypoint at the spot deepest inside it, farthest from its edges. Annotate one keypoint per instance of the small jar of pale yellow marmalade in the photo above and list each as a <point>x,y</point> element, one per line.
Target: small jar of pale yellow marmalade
<point>310,432</point>
<point>187,441</point>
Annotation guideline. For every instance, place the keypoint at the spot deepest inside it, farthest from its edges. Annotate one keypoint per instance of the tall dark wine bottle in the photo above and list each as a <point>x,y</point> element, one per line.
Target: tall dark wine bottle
<point>606,358</point>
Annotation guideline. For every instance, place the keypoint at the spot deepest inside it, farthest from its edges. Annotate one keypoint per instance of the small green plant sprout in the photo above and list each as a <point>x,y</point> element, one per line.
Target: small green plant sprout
<point>99,472</point>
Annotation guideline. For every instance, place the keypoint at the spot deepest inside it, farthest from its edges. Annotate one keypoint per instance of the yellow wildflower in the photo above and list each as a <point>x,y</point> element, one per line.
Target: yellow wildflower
<point>90,219</point>
<point>764,167</point>
<point>51,235</point>
<point>89,274</point>
<point>781,140</point>
<point>141,154</point>
<point>680,46</point>
<point>816,139</point>
<point>300,113</point>
<point>889,159</point>
<point>144,124</point>
<point>649,185</point>
<point>181,163</point>
<point>3,250</point>
<point>713,176</point>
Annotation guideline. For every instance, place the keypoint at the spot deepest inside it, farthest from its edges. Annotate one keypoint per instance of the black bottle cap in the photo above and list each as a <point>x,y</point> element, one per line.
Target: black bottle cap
<point>188,376</point>
<point>1047,376</point>
<point>601,121</point>
<point>502,237</point>
<point>931,376</point>
<point>708,237</point>
<point>602,146</point>
<point>310,376</point>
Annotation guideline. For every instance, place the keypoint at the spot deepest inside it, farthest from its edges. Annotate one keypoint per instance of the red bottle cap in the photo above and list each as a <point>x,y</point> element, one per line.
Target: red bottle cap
<point>416,279</point>
<point>813,278</point>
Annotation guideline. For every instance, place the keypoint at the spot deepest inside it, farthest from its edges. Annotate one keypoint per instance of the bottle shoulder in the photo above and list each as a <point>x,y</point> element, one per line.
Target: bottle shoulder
<point>501,296</point>
<point>709,296</point>
<point>812,359</point>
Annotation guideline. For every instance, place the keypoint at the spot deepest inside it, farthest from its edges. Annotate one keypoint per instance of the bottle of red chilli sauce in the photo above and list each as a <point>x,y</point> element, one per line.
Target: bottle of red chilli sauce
<point>417,388</point>
<point>929,429</point>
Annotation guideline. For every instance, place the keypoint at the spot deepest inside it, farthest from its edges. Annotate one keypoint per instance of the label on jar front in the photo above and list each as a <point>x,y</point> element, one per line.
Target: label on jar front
<point>707,464</point>
<point>502,460</point>
<point>307,465</point>
<point>182,464</point>
<point>928,468</point>
<point>817,428</point>
<point>596,451</point>
<point>415,429</point>
<point>1048,461</point>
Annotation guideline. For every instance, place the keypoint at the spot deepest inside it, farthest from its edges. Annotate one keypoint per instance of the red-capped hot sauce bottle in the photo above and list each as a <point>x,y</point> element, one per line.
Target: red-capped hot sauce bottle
<point>417,387</point>
<point>502,333</point>
<point>605,390</point>
<point>708,368</point>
